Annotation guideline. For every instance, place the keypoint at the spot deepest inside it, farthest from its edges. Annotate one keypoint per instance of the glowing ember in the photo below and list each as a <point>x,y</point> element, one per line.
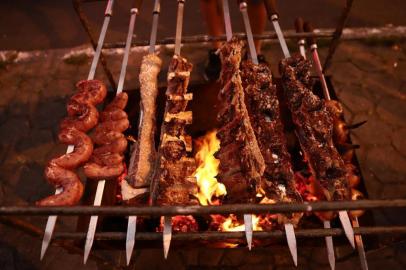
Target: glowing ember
<point>206,173</point>
<point>232,224</point>
<point>210,190</point>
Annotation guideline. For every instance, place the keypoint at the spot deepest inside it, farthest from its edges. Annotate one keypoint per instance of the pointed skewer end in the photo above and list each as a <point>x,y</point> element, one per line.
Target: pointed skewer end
<point>167,235</point>
<point>346,223</point>
<point>291,238</point>
<point>248,229</point>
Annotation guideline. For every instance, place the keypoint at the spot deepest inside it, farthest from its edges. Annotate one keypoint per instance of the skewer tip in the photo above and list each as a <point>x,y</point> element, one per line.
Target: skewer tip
<point>130,241</point>
<point>291,238</point>
<point>330,247</point>
<point>248,229</point>
<point>167,235</point>
<point>346,223</point>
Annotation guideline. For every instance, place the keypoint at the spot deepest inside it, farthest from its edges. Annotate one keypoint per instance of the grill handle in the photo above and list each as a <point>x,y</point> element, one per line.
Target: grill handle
<point>308,27</point>
<point>137,4</point>
<point>271,9</point>
<point>299,25</point>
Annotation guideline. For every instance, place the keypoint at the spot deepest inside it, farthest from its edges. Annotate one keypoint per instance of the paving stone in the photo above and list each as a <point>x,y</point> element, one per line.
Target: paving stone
<point>49,113</point>
<point>373,185</point>
<point>392,111</point>
<point>366,62</point>
<point>400,69</point>
<point>398,141</point>
<point>387,165</point>
<point>383,84</point>
<point>356,100</point>
<point>12,128</point>
<point>374,132</point>
<point>346,73</point>
<point>32,185</point>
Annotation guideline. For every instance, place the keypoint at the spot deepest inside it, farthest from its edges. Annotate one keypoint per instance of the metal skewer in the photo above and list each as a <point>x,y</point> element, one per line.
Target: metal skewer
<point>50,226</point>
<point>100,185</point>
<point>167,232</point>
<point>253,54</point>
<point>227,20</point>
<point>132,220</point>
<point>360,246</point>
<point>343,215</point>
<point>273,16</point>
<point>330,246</point>
<point>270,5</point>
<point>299,25</point>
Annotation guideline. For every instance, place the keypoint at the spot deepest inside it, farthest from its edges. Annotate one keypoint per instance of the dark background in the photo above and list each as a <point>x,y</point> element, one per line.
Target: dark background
<point>44,24</point>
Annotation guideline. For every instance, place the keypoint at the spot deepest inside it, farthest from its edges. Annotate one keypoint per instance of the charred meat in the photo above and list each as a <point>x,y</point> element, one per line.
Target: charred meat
<point>241,161</point>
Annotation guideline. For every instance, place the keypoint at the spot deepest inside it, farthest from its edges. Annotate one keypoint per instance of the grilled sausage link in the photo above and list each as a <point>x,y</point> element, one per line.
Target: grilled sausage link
<point>82,116</point>
<point>107,159</point>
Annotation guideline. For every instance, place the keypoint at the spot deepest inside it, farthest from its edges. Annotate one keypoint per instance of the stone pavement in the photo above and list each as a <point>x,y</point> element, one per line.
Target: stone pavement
<point>369,78</point>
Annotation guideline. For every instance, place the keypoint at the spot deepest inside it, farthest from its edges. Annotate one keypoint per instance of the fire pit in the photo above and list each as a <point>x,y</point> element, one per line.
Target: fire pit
<point>212,224</point>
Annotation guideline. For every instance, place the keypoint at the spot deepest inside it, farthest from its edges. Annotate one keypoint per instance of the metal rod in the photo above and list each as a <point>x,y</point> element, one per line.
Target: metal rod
<point>193,236</point>
<point>101,184</point>
<point>86,25</point>
<point>227,20</point>
<point>319,68</point>
<point>179,26</point>
<point>348,34</point>
<point>330,246</point>
<point>360,246</point>
<point>154,30</point>
<point>134,12</point>
<point>51,222</point>
<point>107,15</point>
<point>202,210</point>
<point>251,45</point>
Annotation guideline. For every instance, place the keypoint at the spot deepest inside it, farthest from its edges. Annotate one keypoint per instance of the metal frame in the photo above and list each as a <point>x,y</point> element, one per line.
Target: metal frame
<point>7,213</point>
<point>335,35</point>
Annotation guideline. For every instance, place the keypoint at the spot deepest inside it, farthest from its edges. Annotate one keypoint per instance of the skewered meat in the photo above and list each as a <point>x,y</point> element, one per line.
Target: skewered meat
<point>82,116</point>
<point>143,156</point>
<point>241,162</point>
<point>106,161</point>
<point>278,181</point>
<point>173,183</point>
<point>341,138</point>
<point>314,129</point>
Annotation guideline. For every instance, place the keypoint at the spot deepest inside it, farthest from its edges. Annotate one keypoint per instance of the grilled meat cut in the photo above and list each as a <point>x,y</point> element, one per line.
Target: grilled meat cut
<point>82,116</point>
<point>173,182</point>
<point>314,129</point>
<point>106,161</point>
<point>241,161</point>
<point>143,155</point>
<point>278,181</point>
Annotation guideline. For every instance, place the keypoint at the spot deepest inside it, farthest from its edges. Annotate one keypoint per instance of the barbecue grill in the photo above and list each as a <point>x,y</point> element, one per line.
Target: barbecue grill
<point>119,212</point>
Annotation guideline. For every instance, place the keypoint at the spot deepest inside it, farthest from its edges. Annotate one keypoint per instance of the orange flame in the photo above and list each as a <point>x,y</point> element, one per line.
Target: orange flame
<point>210,189</point>
<point>231,224</point>
<point>207,171</point>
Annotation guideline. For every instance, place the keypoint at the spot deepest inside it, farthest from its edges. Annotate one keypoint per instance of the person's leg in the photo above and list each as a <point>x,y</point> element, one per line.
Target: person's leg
<point>212,14</point>
<point>257,15</point>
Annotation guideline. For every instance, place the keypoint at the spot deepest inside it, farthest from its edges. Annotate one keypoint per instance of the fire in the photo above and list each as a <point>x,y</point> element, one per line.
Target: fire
<point>210,189</point>
<point>207,171</point>
<point>231,224</point>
